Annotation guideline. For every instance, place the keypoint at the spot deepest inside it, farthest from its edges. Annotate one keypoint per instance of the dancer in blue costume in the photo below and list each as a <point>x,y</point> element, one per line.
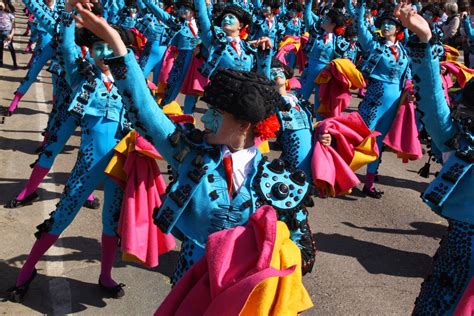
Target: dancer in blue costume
<point>450,195</point>
<point>158,37</point>
<point>293,27</point>
<point>99,108</point>
<point>61,123</point>
<point>387,70</point>
<point>225,48</point>
<point>185,39</point>
<point>203,199</point>
<point>267,23</point>
<point>323,46</point>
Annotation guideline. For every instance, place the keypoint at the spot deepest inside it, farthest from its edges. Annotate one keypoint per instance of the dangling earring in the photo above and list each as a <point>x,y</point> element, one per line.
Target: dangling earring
<point>239,146</point>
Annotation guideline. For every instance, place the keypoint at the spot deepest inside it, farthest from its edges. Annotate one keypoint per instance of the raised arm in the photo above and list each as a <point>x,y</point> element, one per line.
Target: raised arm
<point>160,14</point>
<point>429,93</point>
<point>308,15</point>
<point>365,36</point>
<point>68,50</point>
<point>142,109</point>
<point>46,17</point>
<point>204,23</point>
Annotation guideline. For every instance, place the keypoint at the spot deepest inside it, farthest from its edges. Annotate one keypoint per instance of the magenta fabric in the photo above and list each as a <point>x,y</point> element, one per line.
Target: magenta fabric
<point>403,134</point>
<point>168,61</point>
<point>236,261</point>
<point>331,165</point>
<point>458,72</point>
<point>335,94</point>
<point>39,248</point>
<point>37,175</point>
<point>140,237</point>
<point>194,82</point>
<point>447,84</point>
<point>15,101</point>
<point>465,306</point>
<point>108,251</point>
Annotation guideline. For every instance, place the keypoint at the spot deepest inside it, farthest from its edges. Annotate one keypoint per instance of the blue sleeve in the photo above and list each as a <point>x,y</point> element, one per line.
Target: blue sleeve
<point>468,28</point>
<point>45,17</point>
<point>365,36</point>
<point>145,114</point>
<point>350,8</point>
<point>429,93</point>
<point>69,51</point>
<point>160,14</point>
<point>204,23</point>
<point>308,14</point>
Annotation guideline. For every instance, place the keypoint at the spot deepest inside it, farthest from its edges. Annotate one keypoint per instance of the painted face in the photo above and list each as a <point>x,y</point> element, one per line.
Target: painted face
<point>277,72</point>
<point>183,12</point>
<point>388,25</point>
<point>325,20</point>
<point>230,20</point>
<point>292,13</point>
<point>101,50</point>
<point>353,39</point>
<point>428,16</point>
<point>212,120</point>
<point>267,10</point>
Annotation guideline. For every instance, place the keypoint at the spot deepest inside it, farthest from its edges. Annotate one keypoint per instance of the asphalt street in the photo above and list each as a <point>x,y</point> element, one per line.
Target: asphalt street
<point>372,254</point>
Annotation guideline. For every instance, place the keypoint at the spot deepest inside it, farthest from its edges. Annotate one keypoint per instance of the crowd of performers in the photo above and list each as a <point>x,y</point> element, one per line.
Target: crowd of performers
<point>117,69</point>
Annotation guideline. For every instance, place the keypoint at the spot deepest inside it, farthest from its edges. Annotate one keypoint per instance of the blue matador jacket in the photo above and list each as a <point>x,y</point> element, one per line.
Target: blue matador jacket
<point>197,203</point>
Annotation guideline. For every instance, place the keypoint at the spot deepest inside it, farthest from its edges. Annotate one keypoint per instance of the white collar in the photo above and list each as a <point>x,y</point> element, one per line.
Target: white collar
<point>106,78</point>
<point>233,39</point>
<point>390,44</point>
<point>241,164</point>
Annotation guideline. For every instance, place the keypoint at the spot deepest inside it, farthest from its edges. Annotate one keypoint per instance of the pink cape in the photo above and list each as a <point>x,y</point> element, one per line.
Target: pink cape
<point>236,261</point>
<point>140,237</point>
<point>403,134</point>
<point>194,82</point>
<point>293,83</point>
<point>456,69</point>
<point>335,166</point>
<point>168,61</point>
<point>465,306</point>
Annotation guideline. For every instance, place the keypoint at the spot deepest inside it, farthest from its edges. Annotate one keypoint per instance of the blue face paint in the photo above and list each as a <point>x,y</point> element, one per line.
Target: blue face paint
<point>428,16</point>
<point>292,13</point>
<point>183,11</point>
<point>277,72</point>
<point>229,19</point>
<point>212,120</point>
<point>388,25</point>
<point>326,20</point>
<point>101,50</point>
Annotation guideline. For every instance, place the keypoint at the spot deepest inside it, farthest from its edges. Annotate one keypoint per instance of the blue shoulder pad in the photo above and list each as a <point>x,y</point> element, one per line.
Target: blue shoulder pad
<point>279,188</point>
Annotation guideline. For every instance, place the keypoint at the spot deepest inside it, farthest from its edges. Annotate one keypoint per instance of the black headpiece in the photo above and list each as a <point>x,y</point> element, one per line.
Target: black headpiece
<point>350,32</point>
<point>336,17</point>
<point>434,9</point>
<point>295,6</point>
<point>387,15</point>
<point>468,94</point>
<point>274,4</point>
<point>246,95</point>
<point>84,37</point>
<point>185,3</point>
<point>242,15</point>
<point>288,71</point>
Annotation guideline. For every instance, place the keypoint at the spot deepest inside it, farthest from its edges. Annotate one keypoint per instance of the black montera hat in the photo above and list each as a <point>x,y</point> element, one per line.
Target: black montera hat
<point>336,17</point>
<point>246,95</point>
<point>274,4</point>
<point>288,71</point>
<point>84,37</point>
<point>387,16</point>
<point>244,17</point>
<point>185,3</point>
<point>295,6</point>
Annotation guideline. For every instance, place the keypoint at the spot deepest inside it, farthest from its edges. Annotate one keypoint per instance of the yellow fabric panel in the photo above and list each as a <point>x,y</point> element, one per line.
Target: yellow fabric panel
<point>452,54</point>
<point>116,164</point>
<point>364,154</point>
<point>280,296</point>
<point>290,40</point>
<point>264,147</point>
<point>172,108</point>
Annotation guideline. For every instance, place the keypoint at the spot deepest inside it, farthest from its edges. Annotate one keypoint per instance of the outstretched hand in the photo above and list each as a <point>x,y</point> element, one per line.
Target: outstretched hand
<point>413,21</point>
<point>100,28</point>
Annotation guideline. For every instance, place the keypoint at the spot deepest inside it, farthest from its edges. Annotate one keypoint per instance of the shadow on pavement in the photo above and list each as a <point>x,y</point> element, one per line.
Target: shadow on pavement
<point>83,294</point>
<point>376,259</point>
<point>433,230</point>
<point>27,146</point>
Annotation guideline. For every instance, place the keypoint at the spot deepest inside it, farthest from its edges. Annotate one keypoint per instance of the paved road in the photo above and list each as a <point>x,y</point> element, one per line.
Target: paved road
<point>373,254</point>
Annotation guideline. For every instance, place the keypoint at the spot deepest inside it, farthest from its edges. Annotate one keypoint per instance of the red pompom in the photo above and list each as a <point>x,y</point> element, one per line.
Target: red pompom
<point>267,128</point>
<point>374,12</point>
<point>300,14</point>
<point>400,36</point>
<point>243,34</point>
<point>339,30</point>
<point>277,11</point>
<point>435,19</point>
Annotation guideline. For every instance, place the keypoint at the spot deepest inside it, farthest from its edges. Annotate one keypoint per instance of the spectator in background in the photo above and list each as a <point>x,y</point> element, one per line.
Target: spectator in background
<point>7,30</point>
<point>451,26</point>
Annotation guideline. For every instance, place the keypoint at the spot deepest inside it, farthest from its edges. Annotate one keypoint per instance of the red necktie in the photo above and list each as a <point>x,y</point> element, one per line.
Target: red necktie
<point>227,161</point>
<point>235,47</point>
<point>295,21</point>
<point>394,50</point>
<point>190,25</point>
<point>268,23</point>
<point>108,85</point>
<point>325,38</point>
